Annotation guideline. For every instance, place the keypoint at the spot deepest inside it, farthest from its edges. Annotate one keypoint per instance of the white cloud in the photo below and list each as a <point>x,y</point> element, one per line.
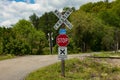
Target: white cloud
<point>11,12</point>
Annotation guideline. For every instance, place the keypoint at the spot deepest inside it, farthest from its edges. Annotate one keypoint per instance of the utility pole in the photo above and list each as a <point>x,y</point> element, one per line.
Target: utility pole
<point>50,38</point>
<point>50,41</point>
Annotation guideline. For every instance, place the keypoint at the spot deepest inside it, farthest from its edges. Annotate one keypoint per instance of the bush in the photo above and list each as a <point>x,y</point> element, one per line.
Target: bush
<point>16,47</point>
<point>0,48</point>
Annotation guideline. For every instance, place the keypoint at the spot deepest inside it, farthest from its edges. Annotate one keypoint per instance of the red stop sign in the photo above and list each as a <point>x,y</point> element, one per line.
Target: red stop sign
<point>62,40</point>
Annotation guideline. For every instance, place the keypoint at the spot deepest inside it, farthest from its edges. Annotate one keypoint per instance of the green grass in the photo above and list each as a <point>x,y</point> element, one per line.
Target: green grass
<point>107,55</point>
<point>8,56</point>
<point>87,69</point>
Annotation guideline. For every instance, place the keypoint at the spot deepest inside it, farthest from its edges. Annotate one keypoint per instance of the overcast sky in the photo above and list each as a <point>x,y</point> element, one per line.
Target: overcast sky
<point>13,10</point>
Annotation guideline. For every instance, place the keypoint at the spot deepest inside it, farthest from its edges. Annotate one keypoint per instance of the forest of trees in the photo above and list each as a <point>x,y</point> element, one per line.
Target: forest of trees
<point>96,27</point>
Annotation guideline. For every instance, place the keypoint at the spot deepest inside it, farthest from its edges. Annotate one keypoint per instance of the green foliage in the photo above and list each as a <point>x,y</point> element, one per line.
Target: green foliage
<point>66,8</point>
<point>77,69</point>
<point>96,27</point>
<point>34,19</point>
<point>6,35</point>
<point>112,17</point>
<point>96,7</point>
<point>22,39</point>
<point>46,23</point>
<point>87,7</point>
<point>33,40</point>
<point>17,47</point>
<point>1,31</point>
<point>72,47</point>
<point>87,30</point>
<point>107,54</point>
<point>108,38</point>
<point>7,56</point>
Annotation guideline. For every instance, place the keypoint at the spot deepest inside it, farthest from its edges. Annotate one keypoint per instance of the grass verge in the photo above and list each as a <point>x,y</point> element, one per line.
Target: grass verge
<point>76,69</point>
<point>8,56</point>
<point>107,55</point>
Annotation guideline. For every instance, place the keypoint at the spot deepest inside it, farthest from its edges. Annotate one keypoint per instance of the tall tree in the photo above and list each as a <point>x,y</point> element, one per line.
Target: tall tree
<point>88,31</point>
<point>46,23</point>
<point>1,43</point>
<point>107,1</point>
<point>96,7</point>
<point>34,20</point>
<point>30,40</point>
<point>7,34</point>
<point>112,17</point>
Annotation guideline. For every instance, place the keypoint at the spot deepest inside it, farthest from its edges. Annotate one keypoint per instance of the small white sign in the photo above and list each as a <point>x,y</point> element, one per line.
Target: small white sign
<point>63,19</point>
<point>62,53</point>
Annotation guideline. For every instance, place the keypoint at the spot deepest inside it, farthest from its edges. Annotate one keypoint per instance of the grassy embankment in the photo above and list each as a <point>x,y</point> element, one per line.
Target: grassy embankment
<point>8,56</point>
<point>107,55</point>
<point>76,69</point>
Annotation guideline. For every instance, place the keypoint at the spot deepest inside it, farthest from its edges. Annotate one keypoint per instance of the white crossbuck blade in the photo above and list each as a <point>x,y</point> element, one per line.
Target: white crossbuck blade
<point>63,19</point>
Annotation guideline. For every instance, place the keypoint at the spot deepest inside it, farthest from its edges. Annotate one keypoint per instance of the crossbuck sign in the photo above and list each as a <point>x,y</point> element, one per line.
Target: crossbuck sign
<point>63,19</point>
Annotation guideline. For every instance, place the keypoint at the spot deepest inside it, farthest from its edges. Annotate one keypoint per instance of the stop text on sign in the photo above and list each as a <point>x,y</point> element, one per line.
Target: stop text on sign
<point>62,40</point>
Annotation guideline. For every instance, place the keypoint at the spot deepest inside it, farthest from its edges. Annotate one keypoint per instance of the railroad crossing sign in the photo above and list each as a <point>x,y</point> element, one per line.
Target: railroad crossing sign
<point>62,53</point>
<point>63,19</point>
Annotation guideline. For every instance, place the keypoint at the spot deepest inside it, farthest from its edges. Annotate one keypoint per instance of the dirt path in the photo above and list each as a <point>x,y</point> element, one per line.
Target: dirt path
<point>18,68</point>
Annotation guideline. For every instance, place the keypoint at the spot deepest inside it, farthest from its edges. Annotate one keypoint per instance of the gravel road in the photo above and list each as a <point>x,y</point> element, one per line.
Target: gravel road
<point>18,68</point>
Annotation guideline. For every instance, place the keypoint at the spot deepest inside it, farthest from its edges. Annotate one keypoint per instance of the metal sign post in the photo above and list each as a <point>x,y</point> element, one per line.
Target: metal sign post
<point>62,39</point>
<point>62,55</point>
<point>63,68</point>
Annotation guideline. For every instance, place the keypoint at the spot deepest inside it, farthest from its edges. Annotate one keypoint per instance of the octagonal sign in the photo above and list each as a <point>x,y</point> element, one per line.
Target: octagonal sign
<point>62,40</point>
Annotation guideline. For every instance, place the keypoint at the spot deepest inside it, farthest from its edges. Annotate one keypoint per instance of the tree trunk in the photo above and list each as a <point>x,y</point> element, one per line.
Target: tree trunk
<point>83,47</point>
<point>116,41</point>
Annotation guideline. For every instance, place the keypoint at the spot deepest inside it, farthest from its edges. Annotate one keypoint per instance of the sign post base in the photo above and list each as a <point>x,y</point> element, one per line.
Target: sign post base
<point>63,68</point>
